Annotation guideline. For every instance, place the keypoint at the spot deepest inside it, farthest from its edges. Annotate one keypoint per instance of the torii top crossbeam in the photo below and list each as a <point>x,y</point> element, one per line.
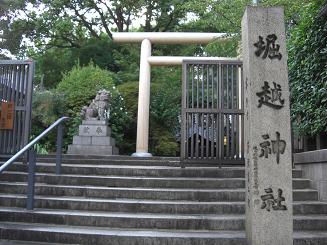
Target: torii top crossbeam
<point>166,37</point>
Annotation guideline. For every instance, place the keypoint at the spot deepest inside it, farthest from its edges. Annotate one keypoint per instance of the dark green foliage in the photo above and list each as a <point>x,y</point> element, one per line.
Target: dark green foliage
<point>129,92</point>
<point>165,107</point>
<point>127,58</point>
<point>166,104</point>
<point>163,142</point>
<point>51,65</point>
<point>99,51</point>
<point>47,107</point>
<point>308,71</point>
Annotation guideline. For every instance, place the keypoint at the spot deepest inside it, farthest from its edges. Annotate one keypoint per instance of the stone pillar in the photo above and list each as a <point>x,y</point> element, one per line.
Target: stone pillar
<point>269,212</point>
<point>142,137</point>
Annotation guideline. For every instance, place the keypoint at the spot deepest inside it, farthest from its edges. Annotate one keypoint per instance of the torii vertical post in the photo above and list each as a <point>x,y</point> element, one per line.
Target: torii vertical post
<point>142,137</point>
<point>148,38</point>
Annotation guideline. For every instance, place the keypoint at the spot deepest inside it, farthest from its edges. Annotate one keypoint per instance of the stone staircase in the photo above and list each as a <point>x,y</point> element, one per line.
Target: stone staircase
<point>123,200</point>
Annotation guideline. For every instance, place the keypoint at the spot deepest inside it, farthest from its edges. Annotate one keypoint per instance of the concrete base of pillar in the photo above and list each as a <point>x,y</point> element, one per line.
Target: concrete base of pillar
<point>141,154</point>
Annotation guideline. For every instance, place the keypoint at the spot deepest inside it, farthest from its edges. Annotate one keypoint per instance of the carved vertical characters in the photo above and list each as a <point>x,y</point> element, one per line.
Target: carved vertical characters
<point>270,202</point>
<point>267,128</point>
<point>271,97</point>
<point>272,147</point>
<point>86,130</point>
<point>269,48</point>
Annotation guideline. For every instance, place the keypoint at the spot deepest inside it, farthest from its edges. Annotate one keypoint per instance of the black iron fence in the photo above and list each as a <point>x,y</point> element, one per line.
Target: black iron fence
<point>16,88</point>
<point>212,112</point>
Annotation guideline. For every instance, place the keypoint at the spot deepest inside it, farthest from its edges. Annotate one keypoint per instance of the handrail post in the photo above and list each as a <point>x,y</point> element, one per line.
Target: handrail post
<point>59,148</point>
<point>31,179</point>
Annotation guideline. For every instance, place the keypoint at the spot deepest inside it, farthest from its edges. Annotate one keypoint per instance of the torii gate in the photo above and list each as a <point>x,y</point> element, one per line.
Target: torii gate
<point>146,60</point>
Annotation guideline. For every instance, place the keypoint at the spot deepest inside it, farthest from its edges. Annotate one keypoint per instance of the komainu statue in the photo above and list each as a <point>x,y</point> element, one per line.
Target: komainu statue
<point>99,107</point>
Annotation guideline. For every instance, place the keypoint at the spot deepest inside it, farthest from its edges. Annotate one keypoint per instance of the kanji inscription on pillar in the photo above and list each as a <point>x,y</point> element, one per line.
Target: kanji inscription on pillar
<point>268,48</point>
<point>271,96</point>
<point>268,165</point>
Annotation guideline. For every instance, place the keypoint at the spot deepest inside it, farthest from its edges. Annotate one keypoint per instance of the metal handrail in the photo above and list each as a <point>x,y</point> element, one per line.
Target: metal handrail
<point>32,158</point>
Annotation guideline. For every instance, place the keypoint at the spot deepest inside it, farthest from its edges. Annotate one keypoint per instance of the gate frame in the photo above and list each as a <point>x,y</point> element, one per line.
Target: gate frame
<point>219,111</point>
<point>27,106</point>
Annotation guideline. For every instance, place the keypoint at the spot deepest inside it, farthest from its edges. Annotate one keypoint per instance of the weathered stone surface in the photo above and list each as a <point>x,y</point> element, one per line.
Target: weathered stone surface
<point>90,149</point>
<point>103,141</point>
<point>94,122</point>
<point>82,140</point>
<point>267,128</point>
<point>94,130</point>
<point>93,140</point>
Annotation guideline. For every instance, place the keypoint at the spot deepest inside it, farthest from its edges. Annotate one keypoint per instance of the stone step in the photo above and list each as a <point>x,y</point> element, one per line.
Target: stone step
<point>152,171</point>
<point>125,220</point>
<point>139,181</point>
<point>124,205</point>
<point>125,160</point>
<point>15,242</point>
<point>144,193</point>
<point>310,222</point>
<point>146,220</point>
<point>149,206</point>
<point>119,157</point>
<point>104,236</point>
<point>117,161</point>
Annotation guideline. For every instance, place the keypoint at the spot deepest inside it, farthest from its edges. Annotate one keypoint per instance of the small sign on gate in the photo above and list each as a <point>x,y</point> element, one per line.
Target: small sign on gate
<point>7,115</point>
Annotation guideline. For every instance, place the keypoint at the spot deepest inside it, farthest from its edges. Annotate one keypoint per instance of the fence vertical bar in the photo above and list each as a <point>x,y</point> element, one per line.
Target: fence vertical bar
<point>221,106</point>
<point>31,180</point>
<point>184,132</point>
<point>59,148</point>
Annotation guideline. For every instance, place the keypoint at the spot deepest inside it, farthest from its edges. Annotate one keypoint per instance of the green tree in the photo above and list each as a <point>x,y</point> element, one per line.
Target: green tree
<point>52,63</point>
<point>64,23</point>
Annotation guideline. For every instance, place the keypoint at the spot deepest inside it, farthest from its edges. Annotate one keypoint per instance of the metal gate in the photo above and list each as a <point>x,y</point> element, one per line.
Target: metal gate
<point>212,112</point>
<point>16,88</point>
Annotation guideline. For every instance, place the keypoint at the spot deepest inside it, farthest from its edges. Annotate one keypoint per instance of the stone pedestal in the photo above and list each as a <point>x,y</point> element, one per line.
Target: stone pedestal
<point>269,213</point>
<point>93,139</point>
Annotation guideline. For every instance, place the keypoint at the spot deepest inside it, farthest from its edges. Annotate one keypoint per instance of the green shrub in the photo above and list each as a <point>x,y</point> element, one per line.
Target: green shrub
<point>80,86</point>
<point>164,143</point>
